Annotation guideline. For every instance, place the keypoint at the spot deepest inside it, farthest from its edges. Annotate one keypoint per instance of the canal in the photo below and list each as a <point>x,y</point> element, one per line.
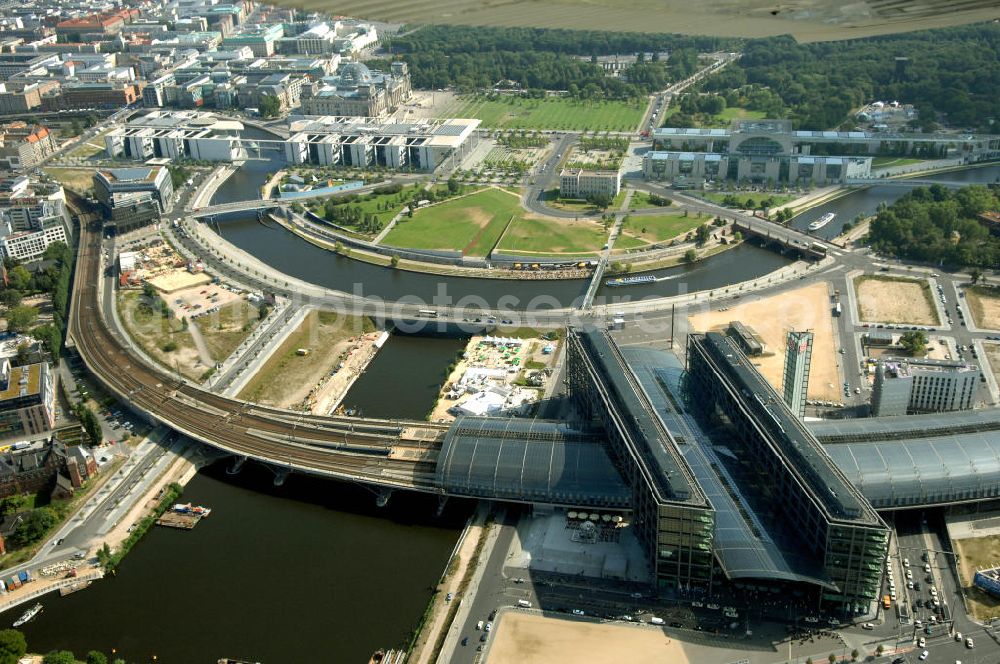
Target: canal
<point>411,368</point>
<point>306,572</point>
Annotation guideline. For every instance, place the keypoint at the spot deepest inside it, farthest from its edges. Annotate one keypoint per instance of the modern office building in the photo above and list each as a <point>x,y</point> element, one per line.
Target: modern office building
<point>771,152</point>
<point>795,378</point>
<point>357,90</point>
<point>261,39</point>
<point>908,385</point>
<point>800,495</point>
<point>33,215</point>
<point>673,519</point>
<point>154,180</point>
<point>584,183</point>
<point>176,135</point>
<point>364,142</point>
<point>27,399</point>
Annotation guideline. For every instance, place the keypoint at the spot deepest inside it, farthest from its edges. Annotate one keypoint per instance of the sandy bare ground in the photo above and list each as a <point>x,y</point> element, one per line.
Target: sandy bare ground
<point>894,301</point>
<point>287,379</point>
<point>331,389</point>
<point>974,553</point>
<point>993,360</point>
<point>985,307</point>
<point>772,318</point>
<point>524,638</point>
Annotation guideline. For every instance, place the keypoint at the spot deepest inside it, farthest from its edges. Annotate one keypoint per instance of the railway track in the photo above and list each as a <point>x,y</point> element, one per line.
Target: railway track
<point>344,448</point>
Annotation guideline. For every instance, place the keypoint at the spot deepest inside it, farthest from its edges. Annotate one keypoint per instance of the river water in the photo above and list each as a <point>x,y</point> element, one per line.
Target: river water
<point>865,201</point>
<point>412,369</point>
<point>311,571</point>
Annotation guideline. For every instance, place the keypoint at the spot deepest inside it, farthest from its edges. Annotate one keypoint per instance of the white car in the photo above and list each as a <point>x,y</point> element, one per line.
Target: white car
<point>868,626</point>
<point>924,655</point>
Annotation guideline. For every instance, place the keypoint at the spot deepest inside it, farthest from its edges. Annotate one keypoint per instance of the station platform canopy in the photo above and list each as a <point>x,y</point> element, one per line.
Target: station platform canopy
<point>527,460</point>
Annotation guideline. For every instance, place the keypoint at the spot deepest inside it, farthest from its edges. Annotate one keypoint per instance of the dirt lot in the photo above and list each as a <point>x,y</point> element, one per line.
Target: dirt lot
<point>523,638</point>
<point>805,308</point>
<point>165,339</point>
<point>984,305</point>
<point>993,358</point>
<point>889,300</point>
<point>975,553</point>
<point>429,104</point>
<point>287,379</point>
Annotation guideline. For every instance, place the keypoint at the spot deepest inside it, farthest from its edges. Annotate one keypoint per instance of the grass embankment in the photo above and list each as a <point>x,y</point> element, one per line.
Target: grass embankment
<point>888,162</point>
<point>649,229</point>
<point>470,224</point>
<point>111,559</point>
<point>553,113</point>
<point>641,201</point>
<point>286,374</point>
<point>746,200</point>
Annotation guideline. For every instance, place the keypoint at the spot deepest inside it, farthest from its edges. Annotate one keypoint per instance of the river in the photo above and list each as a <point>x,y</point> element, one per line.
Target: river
<point>865,201</point>
<point>307,572</point>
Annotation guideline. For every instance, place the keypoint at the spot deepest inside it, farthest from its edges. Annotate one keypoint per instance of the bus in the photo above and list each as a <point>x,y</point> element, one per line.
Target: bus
<point>886,603</point>
<point>428,313</point>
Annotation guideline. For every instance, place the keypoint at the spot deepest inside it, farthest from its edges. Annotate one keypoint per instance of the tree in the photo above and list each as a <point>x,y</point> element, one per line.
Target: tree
<point>51,339</point>
<point>10,297</point>
<point>12,646</point>
<point>20,278</point>
<point>832,658</point>
<point>269,107</point>
<point>914,342</point>
<point>854,655</point>
<point>59,657</point>
<point>12,504</point>
<point>975,274</point>
<point>453,186</point>
<point>91,426</point>
<point>21,318</point>
<point>879,650</point>
<point>23,353</point>
<point>702,234</point>
<point>95,657</point>
<point>394,261</point>
<point>690,256</point>
<point>75,128</point>
<point>34,526</point>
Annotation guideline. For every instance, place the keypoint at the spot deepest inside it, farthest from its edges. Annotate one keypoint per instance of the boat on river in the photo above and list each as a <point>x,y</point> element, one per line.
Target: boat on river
<point>28,615</point>
<point>630,281</point>
<point>822,221</point>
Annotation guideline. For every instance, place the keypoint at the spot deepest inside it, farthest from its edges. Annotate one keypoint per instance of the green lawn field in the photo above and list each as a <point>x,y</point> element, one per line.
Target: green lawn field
<point>640,201</point>
<point>553,236</point>
<point>660,227</point>
<point>753,196</point>
<point>470,224</point>
<point>886,162</point>
<point>553,113</point>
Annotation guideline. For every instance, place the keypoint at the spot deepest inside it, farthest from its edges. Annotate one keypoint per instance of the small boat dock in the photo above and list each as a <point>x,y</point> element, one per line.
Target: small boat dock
<point>183,516</point>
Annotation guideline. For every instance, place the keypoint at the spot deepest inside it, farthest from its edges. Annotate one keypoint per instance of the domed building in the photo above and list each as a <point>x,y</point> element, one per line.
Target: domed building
<point>356,90</point>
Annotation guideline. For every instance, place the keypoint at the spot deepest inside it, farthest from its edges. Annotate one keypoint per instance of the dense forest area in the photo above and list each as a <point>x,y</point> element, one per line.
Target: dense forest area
<point>938,225</point>
<point>950,71</point>
<point>478,58</point>
<point>951,74</point>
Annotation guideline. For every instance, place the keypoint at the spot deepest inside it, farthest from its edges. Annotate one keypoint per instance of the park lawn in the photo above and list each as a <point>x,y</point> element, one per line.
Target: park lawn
<point>626,242</point>
<point>640,201</point>
<point>553,236</point>
<point>89,148</point>
<point>660,227</point>
<point>225,329</point>
<point>554,113</point>
<point>737,113</point>
<point>886,162</point>
<point>470,224</point>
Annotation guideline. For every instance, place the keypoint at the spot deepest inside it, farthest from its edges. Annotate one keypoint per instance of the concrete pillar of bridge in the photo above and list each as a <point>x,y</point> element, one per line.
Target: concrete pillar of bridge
<point>237,465</point>
<point>280,475</point>
<point>442,501</point>
<point>382,498</point>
